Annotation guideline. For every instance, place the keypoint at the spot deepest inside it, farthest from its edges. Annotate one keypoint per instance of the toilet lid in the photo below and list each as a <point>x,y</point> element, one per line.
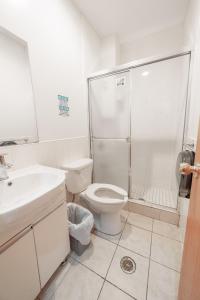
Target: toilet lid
<point>91,193</point>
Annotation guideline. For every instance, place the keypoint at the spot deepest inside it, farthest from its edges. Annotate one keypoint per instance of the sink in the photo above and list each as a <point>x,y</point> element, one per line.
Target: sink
<point>28,195</point>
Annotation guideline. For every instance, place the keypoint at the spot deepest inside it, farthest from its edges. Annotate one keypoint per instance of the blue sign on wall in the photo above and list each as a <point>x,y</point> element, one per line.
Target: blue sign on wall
<point>63,104</point>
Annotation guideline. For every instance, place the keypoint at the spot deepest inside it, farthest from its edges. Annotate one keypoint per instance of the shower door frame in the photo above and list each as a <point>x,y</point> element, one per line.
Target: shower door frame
<point>127,68</point>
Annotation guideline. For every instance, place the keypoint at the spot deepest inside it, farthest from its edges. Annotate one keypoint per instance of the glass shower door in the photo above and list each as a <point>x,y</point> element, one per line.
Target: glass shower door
<point>158,113</point>
<point>110,128</point>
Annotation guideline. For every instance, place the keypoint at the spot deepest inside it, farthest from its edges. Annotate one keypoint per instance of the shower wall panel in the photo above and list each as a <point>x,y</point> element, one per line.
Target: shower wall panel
<point>110,128</point>
<point>158,114</point>
<point>110,106</point>
<point>111,161</point>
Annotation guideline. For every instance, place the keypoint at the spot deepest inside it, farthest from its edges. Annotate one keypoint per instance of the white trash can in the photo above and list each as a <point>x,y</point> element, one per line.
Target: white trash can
<point>81,222</point>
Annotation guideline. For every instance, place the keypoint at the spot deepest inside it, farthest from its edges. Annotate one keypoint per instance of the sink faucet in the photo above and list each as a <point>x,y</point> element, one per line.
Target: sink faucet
<point>3,167</point>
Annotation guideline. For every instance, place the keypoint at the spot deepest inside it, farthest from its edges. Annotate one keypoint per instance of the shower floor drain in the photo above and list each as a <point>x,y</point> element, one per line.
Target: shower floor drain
<point>128,265</point>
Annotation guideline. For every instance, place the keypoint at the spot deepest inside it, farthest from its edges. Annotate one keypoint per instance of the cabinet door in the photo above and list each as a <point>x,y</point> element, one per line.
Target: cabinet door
<point>19,277</point>
<point>52,242</point>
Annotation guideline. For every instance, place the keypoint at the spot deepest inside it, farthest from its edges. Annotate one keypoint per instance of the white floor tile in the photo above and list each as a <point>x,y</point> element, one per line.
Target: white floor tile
<point>163,283</point>
<point>136,239</point>
<point>74,282</point>
<point>166,251</point>
<point>109,291</point>
<point>166,229</point>
<point>112,238</point>
<point>79,284</point>
<point>140,221</point>
<point>98,256</point>
<point>55,280</point>
<point>134,284</point>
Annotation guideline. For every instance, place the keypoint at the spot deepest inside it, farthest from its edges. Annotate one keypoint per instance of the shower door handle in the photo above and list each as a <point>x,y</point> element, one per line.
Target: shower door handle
<point>187,169</point>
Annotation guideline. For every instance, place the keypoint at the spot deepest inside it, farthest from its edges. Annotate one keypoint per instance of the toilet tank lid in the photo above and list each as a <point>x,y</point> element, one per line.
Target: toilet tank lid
<point>78,164</point>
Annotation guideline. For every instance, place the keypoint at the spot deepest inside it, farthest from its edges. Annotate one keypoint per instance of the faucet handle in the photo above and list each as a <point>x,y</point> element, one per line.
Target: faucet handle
<point>2,158</point>
<point>8,165</point>
<point>3,161</point>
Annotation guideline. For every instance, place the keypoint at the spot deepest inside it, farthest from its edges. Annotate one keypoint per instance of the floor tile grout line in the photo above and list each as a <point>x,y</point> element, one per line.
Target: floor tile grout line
<point>88,268</point>
<point>155,232</point>
<point>149,230</point>
<point>167,237</point>
<point>116,247</point>
<point>124,224</point>
<point>165,266</point>
<point>106,280</point>
<point>151,246</point>
<point>101,289</point>
<point>112,258</point>
<point>133,251</point>
<point>149,262</point>
<point>147,257</point>
<point>63,277</point>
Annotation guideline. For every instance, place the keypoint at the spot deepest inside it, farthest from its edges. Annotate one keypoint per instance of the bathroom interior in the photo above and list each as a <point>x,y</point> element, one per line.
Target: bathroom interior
<point>99,149</point>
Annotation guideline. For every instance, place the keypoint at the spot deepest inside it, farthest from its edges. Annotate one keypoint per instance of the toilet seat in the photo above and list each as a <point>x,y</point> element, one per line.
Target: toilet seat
<point>119,195</point>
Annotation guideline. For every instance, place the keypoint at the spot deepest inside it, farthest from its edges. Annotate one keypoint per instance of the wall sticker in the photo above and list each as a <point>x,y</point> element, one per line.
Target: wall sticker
<point>63,104</point>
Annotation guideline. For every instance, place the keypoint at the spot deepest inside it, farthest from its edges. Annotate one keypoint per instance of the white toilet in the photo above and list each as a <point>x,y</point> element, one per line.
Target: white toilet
<point>104,200</point>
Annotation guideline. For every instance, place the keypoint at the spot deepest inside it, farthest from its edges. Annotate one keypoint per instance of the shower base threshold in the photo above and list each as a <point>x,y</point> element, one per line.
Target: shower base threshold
<point>155,211</point>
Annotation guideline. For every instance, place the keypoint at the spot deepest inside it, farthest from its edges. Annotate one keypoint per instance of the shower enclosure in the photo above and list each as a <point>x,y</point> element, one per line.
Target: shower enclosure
<point>137,120</point>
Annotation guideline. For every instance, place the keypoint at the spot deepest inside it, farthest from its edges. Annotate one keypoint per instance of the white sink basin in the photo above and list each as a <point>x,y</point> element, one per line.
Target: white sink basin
<point>27,196</point>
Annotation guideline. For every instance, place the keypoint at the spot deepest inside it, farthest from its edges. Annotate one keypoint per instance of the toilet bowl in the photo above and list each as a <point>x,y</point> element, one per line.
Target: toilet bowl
<point>106,202</point>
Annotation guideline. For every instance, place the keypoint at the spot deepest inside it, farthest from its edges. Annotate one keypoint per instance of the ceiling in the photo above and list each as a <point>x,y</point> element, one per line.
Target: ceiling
<point>130,19</point>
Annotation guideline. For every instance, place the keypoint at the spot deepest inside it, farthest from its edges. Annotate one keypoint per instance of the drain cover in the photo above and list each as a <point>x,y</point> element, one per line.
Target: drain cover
<point>128,265</point>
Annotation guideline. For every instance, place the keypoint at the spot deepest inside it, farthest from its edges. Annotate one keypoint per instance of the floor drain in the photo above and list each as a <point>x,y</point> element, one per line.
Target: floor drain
<point>128,265</point>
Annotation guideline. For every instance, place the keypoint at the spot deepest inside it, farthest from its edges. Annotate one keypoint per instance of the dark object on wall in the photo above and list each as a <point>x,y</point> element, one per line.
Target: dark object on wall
<point>8,143</point>
<point>184,181</point>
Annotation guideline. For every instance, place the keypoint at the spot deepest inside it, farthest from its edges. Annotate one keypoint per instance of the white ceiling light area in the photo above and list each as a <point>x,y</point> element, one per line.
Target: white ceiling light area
<point>129,19</point>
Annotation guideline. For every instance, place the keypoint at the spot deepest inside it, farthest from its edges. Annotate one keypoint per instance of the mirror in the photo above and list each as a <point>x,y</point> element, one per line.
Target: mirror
<point>17,108</point>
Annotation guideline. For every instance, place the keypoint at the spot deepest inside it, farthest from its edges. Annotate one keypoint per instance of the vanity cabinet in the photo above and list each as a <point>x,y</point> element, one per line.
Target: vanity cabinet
<point>52,242</point>
<point>29,260</point>
<point>19,278</point>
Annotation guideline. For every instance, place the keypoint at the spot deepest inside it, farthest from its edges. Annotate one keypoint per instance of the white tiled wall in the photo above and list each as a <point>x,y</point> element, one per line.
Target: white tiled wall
<point>51,153</point>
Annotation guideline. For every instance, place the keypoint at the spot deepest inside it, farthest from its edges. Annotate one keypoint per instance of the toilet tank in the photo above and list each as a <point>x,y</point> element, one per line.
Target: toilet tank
<point>79,175</point>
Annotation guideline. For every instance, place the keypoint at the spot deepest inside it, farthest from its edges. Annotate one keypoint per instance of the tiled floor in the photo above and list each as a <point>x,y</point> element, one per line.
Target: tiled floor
<point>97,275</point>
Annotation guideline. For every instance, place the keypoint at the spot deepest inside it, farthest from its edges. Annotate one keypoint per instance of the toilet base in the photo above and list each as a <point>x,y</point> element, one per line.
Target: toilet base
<point>108,223</point>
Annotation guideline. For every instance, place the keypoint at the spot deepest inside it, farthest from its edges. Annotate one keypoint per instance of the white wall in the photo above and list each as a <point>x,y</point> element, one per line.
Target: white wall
<point>162,42</point>
<point>110,52</point>
<point>192,40</point>
<point>63,49</point>
<point>50,153</point>
<point>59,40</point>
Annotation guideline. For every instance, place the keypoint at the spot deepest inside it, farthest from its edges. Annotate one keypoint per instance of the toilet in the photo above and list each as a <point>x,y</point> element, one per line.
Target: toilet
<point>105,201</point>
